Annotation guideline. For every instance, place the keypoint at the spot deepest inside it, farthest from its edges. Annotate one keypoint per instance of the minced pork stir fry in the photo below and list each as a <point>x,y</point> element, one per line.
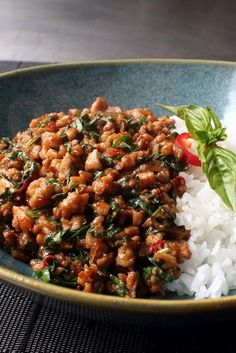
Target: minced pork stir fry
<point>88,198</point>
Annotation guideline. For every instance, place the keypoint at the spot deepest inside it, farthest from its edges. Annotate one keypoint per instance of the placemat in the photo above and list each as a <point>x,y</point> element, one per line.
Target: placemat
<point>33,324</point>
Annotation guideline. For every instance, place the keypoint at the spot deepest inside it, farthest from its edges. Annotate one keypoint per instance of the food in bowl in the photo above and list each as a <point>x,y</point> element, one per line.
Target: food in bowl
<point>114,201</point>
<point>88,198</point>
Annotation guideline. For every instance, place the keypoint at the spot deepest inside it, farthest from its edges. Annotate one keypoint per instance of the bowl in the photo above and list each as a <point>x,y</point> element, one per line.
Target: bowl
<point>28,93</point>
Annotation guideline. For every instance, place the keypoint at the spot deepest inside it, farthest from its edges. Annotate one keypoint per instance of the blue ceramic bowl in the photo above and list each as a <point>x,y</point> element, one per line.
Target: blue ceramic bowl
<point>28,93</point>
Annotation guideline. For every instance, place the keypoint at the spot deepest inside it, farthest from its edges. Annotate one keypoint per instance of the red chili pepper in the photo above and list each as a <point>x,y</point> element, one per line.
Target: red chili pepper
<point>185,141</point>
<point>46,259</point>
<point>52,126</point>
<point>157,245</point>
<point>23,187</point>
<point>114,152</point>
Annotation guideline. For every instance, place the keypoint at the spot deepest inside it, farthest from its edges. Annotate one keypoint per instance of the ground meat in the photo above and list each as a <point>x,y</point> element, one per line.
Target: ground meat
<point>74,203</point>
<point>21,221</point>
<point>39,193</point>
<point>93,161</point>
<point>88,198</point>
<point>125,257</point>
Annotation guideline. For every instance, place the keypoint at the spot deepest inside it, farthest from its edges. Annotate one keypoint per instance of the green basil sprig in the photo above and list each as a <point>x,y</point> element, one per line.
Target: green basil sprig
<point>219,164</point>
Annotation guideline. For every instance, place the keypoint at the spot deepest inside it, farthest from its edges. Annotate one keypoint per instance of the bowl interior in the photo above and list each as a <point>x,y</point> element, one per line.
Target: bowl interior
<point>30,93</point>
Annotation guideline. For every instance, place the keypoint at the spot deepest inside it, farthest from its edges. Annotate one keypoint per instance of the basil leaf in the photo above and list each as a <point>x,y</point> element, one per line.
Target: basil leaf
<point>219,164</point>
<point>202,122</point>
<point>139,203</point>
<point>115,207</point>
<point>52,181</point>
<point>44,275</point>
<point>220,169</point>
<point>90,124</point>
<point>121,287</point>
<point>124,142</point>
<point>84,123</point>
<point>147,272</point>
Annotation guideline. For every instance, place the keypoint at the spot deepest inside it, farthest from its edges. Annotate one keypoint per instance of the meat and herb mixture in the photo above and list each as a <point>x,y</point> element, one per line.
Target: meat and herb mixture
<point>88,198</point>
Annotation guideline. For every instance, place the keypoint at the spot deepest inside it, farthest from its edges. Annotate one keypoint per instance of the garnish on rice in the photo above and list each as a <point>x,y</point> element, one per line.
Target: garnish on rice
<point>218,163</point>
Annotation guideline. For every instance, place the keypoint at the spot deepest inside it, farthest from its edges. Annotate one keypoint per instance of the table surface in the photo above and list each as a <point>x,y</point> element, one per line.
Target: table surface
<point>65,30</point>
<point>29,324</point>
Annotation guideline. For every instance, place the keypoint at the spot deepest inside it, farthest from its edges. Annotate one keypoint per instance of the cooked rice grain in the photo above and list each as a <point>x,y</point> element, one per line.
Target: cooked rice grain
<point>211,271</point>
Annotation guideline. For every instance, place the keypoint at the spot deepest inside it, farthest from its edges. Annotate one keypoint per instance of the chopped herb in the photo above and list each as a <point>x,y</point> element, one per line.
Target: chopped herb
<point>162,210</point>
<point>107,161</point>
<point>147,272</point>
<point>109,232</point>
<point>73,169</point>
<point>87,147</point>
<point>7,178</point>
<point>135,123</point>
<point>64,138</point>
<point>53,241</point>
<point>34,141</point>
<point>68,146</point>
<point>84,119</point>
<point>54,221</point>
<point>27,173</point>
<point>94,135</point>
<point>121,287</point>
<point>56,198</point>
<point>73,186</point>
<point>88,126</point>
<point>126,239</point>
<point>6,195</point>
<point>115,207</point>
<point>9,144</point>
<point>14,155</point>
<point>78,125</point>
<point>130,193</point>
<point>52,181</point>
<point>167,276</point>
<point>33,213</point>
<point>84,123</point>
<point>139,203</point>
<point>125,142</point>
<point>162,275</point>
<point>98,174</point>
<point>112,230</point>
<point>171,213</point>
<point>97,234</point>
<point>44,275</point>
<point>141,160</point>
<point>122,181</point>
<point>82,255</point>
<point>170,161</point>
<point>64,279</point>
<point>153,260</point>
<point>168,223</point>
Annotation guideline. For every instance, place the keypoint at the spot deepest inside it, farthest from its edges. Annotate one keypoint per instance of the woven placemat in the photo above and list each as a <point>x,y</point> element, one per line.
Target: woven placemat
<point>32,324</point>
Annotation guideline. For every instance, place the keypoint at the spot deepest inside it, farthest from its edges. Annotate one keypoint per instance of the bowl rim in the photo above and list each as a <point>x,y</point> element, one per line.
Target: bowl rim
<point>150,306</point>
<point>113,62</point>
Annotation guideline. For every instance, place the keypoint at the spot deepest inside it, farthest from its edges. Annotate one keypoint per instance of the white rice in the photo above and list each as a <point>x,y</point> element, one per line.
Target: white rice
<point>211,271</point>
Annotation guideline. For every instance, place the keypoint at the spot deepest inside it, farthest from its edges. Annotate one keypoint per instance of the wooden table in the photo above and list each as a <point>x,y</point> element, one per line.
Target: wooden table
<point>65,30</point>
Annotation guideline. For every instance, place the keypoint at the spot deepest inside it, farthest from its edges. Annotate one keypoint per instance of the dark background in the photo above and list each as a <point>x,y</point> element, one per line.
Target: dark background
<point>65,30</point>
